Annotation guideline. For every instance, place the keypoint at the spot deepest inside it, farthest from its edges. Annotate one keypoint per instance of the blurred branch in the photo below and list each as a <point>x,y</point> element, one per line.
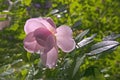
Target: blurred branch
<point>11,4</point>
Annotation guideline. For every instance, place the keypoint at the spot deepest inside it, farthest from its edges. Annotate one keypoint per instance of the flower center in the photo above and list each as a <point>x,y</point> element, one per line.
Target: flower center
<point>41,35</point>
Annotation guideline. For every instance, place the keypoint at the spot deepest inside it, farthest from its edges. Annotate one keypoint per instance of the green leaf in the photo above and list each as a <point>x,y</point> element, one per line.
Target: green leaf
<point>29,56</point>
<point>97,75</point>
<point>14,27</point>
<point>93,73</point>
<point>16,61</point>
<point>81,35</point>
<point>2,19</point>
<point>24,72</point>
<point>8,72</point>
<point>79,61</point>
<point>26,2</point>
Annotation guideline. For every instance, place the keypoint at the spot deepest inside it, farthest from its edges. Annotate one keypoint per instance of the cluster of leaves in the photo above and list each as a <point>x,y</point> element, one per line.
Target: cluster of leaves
<point>93,59</point>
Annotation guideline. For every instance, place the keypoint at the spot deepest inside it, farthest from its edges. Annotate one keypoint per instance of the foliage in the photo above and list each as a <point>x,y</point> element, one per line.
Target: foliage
<point>97,59</point>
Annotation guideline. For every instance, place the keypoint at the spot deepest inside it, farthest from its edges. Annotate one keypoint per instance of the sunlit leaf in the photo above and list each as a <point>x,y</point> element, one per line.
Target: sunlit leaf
<point>2,19</point>
<point>103,46</point>
<point>26,2</point>
<point>24,72</point>
<point>28,56</point>
<point>16,61</point>
<point>54,11</point>
<point>8,72</point>
<point>86,41</point>
<point>111,37</point>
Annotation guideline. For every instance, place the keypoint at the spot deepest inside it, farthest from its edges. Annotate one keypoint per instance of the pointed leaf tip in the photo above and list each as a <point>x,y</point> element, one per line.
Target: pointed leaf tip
<point>81,35</point>
<point>103,46</point>
<point>86,41</point>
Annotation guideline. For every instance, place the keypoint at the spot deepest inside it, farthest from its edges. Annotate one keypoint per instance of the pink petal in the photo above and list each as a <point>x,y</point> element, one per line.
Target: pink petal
<point>66,44</point>
<point>49,59</point>
<point>64,39</point>
<point>50,43</point>
<point>32,24</point>
<point>31,45</point>
<point>49,24</point>
<point>64,31</point>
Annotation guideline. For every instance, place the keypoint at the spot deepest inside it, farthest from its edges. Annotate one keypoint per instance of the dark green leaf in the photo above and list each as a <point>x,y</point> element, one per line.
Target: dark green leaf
<point>92,73</point>
<point>79,61</point>
<point>77,23</point>
<point>81,35</point>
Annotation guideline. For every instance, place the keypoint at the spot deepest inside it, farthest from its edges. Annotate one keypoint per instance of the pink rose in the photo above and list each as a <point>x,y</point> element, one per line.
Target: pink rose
<point>43,37</point>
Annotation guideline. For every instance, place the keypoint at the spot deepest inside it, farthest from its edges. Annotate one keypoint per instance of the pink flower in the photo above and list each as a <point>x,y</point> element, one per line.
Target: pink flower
<point>43,37</point>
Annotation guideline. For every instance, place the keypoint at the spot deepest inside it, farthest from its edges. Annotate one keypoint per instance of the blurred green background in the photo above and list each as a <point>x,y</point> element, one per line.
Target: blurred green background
<point>100,16</point>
